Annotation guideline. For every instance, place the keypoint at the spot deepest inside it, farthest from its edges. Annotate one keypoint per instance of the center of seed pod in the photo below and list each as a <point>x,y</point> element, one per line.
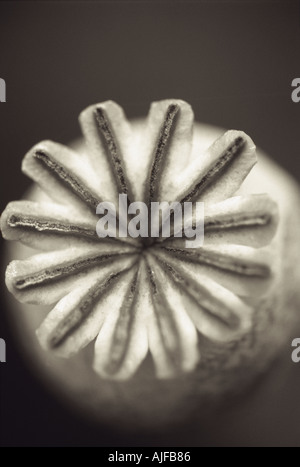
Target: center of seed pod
<point>148,242</point>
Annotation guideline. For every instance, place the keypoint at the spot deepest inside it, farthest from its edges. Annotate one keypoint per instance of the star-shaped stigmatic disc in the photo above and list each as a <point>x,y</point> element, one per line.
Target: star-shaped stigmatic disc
<point>129,295</point>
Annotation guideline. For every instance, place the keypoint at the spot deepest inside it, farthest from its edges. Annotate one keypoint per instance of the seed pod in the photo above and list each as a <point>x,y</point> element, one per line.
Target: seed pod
<point>146,323</point>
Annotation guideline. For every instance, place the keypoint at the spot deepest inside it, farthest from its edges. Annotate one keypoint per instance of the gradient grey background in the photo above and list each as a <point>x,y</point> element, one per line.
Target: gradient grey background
<point>234,61</point>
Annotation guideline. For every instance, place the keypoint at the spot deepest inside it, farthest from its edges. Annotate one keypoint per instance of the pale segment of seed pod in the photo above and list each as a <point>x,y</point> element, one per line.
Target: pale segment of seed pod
<point>153,326</point>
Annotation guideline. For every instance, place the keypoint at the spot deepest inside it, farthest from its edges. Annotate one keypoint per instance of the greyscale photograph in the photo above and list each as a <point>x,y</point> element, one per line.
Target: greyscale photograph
<point>150,226</point>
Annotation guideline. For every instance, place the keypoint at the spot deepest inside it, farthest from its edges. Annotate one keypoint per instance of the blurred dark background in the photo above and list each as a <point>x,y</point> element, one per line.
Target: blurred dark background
<point>234,62</point>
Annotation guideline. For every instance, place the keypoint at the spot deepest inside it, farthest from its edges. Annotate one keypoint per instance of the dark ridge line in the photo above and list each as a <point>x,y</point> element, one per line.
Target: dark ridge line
<point>231,264</point>
<point>57,272</point>
<point>68,179</point>
<point>192,289</point>
<point>245,221</point>
<point>161,147</point>
<point>44,225</point>
<point>164,313</point>
<point>226,158</point>
<point>75,317</point>
<point>115,160</point>
<point>121,337</point>
<point>227,224</point>
<point>64,229</point>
